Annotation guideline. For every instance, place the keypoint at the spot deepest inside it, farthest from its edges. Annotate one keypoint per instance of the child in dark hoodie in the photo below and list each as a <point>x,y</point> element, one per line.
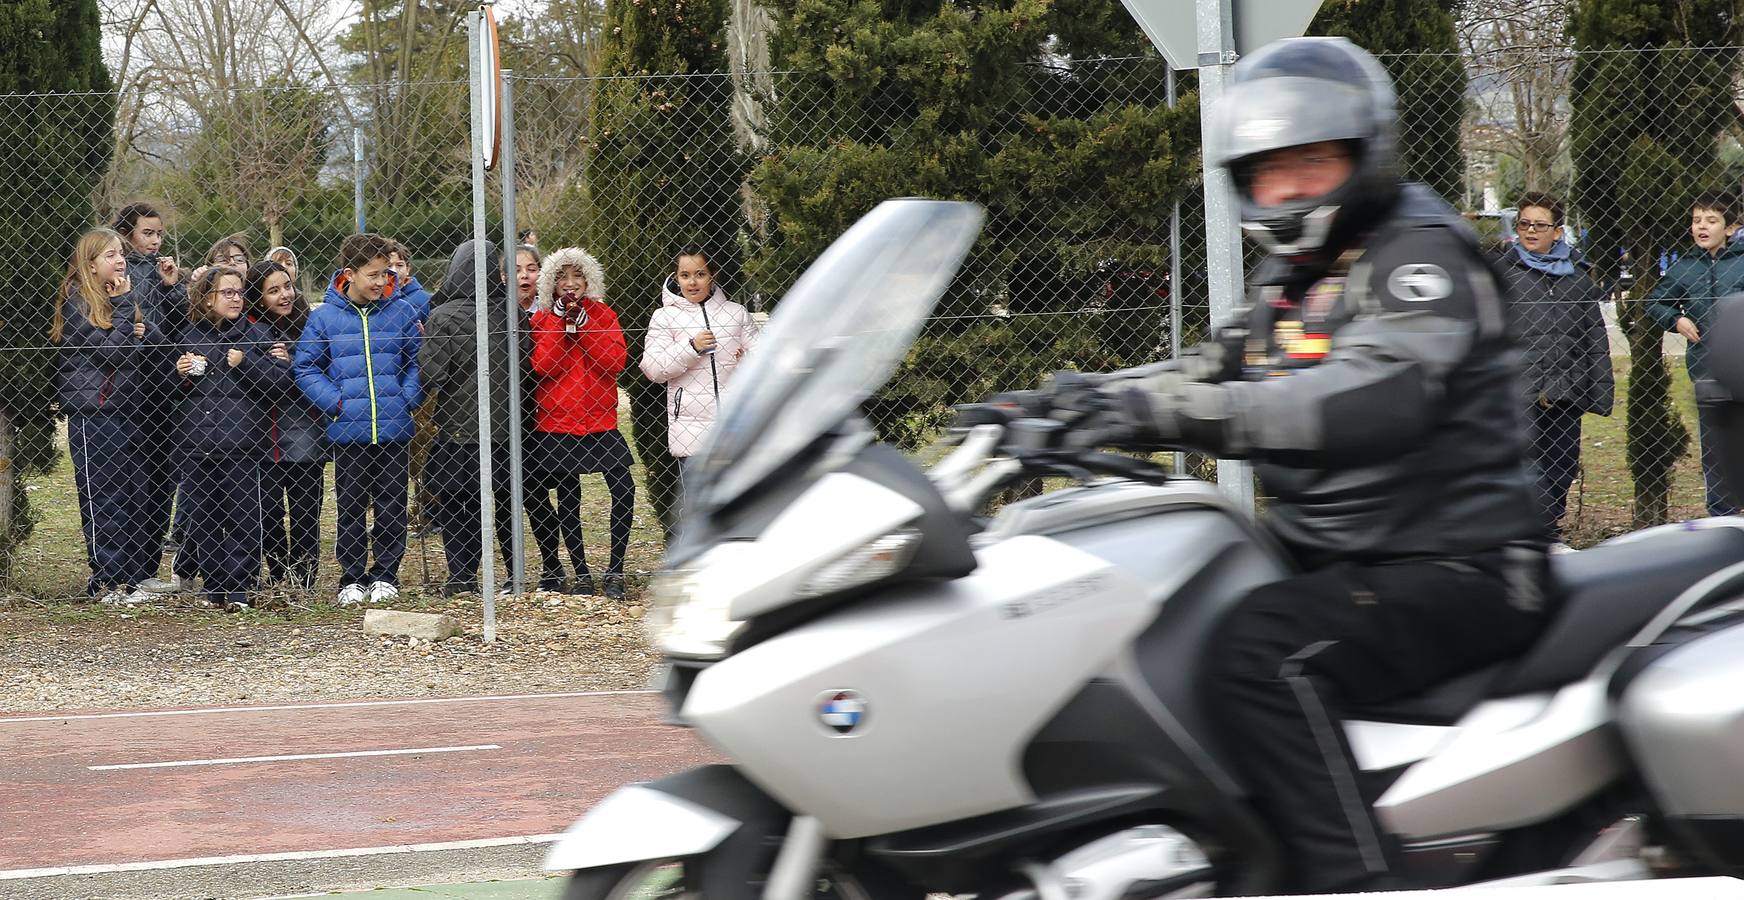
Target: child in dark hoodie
<point>448,369</point>
<point>357,362</point>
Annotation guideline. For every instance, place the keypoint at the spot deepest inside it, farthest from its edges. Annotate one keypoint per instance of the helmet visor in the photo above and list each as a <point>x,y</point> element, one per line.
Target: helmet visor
<point>1269,114</point>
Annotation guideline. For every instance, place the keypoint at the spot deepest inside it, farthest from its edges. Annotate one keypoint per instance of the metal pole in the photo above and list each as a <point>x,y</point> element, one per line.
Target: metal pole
<point>1175,270</point>
<point>1216,34</point>
<point>487,530</point>
<point>357,176</point>
<point>517,540</point>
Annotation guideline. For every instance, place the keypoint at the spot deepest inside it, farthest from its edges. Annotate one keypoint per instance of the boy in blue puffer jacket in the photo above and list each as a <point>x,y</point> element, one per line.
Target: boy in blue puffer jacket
<point>357,362</point>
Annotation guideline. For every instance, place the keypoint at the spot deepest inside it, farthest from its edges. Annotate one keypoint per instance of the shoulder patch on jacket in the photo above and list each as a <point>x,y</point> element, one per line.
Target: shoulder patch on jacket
<point>1432,270</point>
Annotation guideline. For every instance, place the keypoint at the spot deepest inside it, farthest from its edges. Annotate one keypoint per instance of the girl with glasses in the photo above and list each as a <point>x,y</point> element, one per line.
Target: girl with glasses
<point>233,374</point>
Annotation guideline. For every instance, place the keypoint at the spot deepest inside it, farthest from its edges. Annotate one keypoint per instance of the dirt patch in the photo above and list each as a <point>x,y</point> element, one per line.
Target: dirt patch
<point>56,655</point>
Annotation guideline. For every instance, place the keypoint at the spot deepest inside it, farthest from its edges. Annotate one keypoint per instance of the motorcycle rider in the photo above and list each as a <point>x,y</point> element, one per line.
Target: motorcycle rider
<point>1371,379</point>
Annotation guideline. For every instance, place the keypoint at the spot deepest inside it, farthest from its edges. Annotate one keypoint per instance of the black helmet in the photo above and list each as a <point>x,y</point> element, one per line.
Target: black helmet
<point>1301,91</point>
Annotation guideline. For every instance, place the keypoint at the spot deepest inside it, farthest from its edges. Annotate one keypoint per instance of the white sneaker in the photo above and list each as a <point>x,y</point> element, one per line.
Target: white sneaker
<point>351,595</point>
<point>382,592</point>
<point>170,585</point>
<point>140,595</point>
<point>117,597</point>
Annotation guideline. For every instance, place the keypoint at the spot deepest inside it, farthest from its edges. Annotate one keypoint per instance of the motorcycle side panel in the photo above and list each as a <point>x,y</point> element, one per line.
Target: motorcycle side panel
<point>1509,763</point>
<point>1683,720</point>
<point>955,679</point>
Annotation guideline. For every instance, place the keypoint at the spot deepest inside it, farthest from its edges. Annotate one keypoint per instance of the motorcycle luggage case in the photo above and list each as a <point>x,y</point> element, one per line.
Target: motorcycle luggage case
<point>1680,707</point>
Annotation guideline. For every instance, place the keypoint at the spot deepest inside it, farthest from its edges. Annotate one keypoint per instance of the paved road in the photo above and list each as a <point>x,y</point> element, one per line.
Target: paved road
<point>167,802</point>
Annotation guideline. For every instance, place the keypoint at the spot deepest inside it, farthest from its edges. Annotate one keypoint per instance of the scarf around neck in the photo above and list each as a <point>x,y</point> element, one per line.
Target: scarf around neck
<point>1557,262</point>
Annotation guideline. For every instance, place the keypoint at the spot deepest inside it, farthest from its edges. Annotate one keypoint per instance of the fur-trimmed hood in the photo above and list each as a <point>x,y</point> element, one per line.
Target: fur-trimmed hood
<point>570,256</point>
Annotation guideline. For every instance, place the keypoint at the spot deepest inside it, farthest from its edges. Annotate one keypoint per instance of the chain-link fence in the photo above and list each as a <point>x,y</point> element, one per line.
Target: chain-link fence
<point>286,433</point>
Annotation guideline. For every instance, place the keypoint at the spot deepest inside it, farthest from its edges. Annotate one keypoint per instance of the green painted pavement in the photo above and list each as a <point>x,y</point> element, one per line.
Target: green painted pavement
<point>528,889</point>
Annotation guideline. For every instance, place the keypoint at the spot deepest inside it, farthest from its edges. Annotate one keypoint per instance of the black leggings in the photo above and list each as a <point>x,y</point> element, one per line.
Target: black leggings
<point>568,517</point>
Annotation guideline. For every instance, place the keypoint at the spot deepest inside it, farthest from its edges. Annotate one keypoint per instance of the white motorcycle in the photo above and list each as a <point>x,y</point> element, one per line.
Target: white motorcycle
<point>917,698</point>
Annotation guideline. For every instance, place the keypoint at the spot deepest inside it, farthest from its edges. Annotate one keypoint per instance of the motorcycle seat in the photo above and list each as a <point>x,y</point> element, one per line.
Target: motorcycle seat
<point>1605,595</point>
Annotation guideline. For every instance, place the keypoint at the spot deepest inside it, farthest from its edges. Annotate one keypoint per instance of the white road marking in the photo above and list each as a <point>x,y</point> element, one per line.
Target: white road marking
<point>15,874</point>
<point>289,757</point>
<point>296,706</point>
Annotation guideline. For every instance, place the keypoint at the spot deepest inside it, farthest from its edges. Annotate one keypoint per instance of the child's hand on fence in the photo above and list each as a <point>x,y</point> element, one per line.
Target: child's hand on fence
<point>1687,328</point>
<point>119,286</point>
<point>168,271</point>
<point>280,353</point>
<point>233,357</point>
<point>185,364</point>
<point>139,329</point>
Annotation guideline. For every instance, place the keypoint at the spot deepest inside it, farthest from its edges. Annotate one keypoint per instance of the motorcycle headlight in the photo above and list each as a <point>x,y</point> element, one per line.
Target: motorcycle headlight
<point>688,620</point>
<point>881,558</point>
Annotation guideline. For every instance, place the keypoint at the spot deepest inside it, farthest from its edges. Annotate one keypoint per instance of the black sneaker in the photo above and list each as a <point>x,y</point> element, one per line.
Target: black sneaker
<point>553,580</point>
<point>614,586</point>
<point>583,586</point>
<point>459,586</point>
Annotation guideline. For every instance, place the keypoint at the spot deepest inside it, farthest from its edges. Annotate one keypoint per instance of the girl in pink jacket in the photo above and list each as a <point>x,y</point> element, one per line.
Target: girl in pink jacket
<point>695,342</point>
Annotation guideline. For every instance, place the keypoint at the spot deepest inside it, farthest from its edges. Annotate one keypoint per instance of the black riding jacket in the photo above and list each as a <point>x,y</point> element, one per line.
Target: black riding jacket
<point>1378,401</point>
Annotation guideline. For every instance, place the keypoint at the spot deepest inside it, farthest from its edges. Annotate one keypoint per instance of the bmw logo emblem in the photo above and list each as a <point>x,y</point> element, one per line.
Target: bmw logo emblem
<point>843,712</point>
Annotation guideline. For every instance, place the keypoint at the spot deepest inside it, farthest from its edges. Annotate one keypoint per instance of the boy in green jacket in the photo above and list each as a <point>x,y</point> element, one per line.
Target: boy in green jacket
<point>1683,301</point>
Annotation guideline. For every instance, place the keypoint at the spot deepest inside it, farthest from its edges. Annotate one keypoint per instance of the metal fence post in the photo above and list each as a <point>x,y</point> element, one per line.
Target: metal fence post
<point>1222,230</point>
<point>481,330</point>
<point>1174,267</point>
<point>517,540</point>
<point>357,176</point>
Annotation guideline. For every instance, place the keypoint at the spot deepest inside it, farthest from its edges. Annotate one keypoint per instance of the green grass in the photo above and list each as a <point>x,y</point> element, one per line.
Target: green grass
<point>51,565</point>
<point>1600,504</point>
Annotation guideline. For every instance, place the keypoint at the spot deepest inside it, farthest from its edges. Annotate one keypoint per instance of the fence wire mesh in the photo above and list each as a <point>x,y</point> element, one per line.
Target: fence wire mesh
<point>273,435</point>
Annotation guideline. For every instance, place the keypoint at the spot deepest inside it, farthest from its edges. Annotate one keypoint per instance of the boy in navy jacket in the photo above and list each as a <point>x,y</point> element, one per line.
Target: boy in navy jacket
<point>357,362</point>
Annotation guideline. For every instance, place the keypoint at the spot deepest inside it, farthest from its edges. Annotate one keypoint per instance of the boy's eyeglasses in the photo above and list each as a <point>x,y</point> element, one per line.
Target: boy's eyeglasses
<point>1533,227</point>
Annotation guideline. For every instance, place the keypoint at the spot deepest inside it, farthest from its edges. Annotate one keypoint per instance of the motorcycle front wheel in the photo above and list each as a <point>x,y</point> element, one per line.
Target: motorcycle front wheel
<point>678,879</point>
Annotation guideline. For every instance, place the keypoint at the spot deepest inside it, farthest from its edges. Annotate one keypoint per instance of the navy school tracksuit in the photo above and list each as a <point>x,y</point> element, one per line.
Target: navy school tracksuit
<point>157,414</point>
<point>294,477</point>
<point>358,365</point>
<point>226,426</point>
<point>98,380</point>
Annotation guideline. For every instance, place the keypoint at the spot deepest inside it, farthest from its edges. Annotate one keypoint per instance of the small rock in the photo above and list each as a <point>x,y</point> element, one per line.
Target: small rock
<point>635,612</point>
<point>414,625</point>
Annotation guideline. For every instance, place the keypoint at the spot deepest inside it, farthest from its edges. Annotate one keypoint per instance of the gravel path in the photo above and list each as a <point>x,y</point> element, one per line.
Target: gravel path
<point>65,656</point>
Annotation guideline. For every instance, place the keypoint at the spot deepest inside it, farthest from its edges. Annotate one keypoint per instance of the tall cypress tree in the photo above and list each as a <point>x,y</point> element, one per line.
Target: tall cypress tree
<point>57,119</point>
<point>1416,41</point>
<point>1014,104</point>
<point>1645,138</point>
<point>663,172</point>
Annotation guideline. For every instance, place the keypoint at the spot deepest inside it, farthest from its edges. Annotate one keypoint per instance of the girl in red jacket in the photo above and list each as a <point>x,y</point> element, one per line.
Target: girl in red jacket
<point>578,351</point>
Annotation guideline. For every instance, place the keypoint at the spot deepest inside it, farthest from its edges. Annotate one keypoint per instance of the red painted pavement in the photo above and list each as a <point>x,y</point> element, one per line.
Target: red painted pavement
<point>559,755</point>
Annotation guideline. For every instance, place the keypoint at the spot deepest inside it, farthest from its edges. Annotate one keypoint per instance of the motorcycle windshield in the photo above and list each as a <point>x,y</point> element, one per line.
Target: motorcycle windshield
<point>836,338</point>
